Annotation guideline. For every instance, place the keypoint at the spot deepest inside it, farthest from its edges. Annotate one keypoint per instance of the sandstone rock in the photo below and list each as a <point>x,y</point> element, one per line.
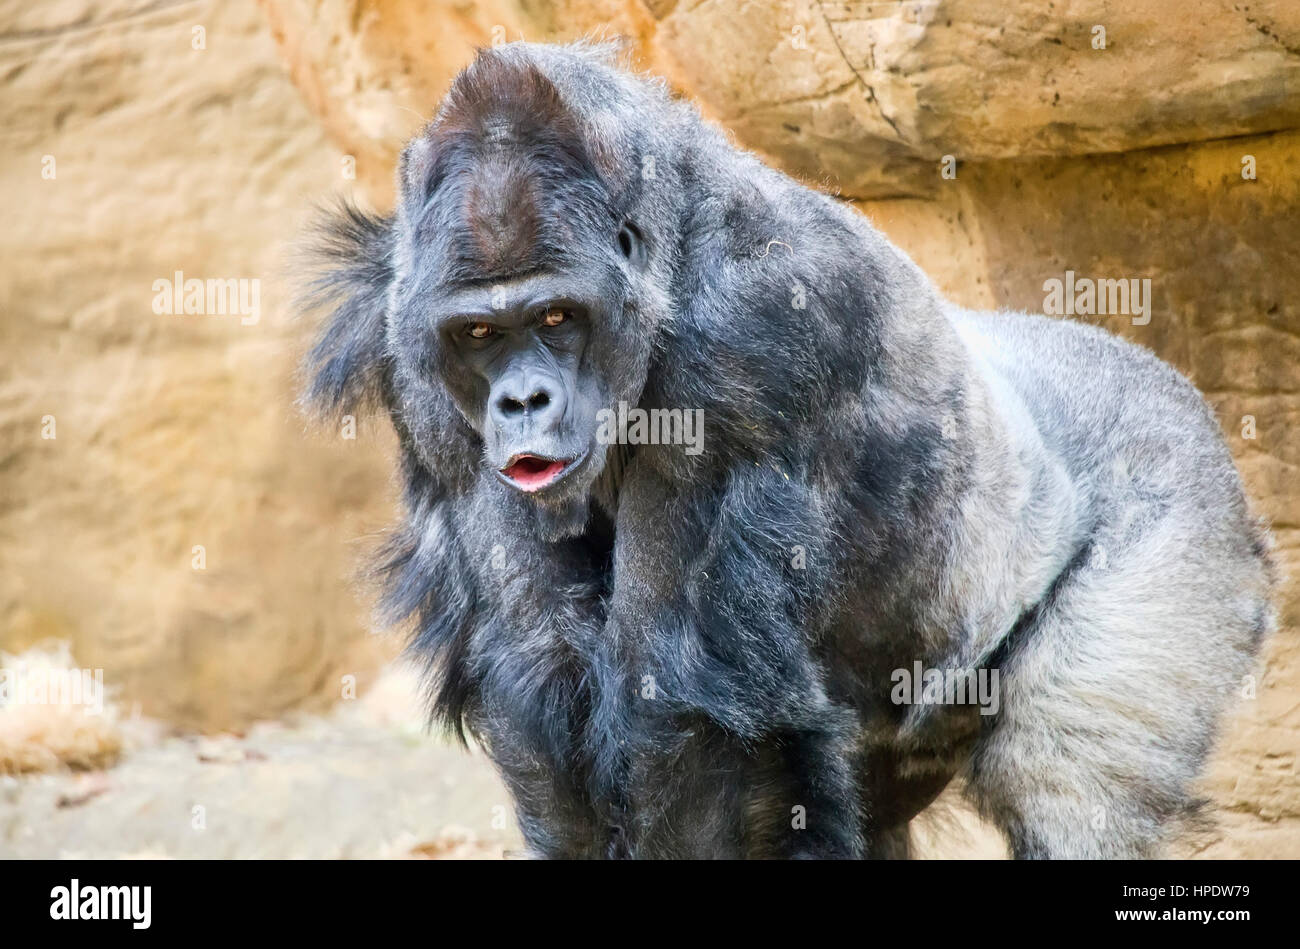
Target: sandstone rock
<point>172,431</point>
<point>863,97</point>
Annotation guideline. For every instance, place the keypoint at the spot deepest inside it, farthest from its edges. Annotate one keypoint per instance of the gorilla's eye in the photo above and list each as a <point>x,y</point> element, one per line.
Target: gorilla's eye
<point>480,330</point>
<point>554,316</point>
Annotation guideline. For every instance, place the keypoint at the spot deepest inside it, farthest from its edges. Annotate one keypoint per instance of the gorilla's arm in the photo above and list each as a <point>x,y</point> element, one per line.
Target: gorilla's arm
<point>716,591</point>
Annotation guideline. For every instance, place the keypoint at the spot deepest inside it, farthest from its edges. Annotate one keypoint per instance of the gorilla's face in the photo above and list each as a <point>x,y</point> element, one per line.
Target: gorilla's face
<point>518,353</point>
<point>529,360</point>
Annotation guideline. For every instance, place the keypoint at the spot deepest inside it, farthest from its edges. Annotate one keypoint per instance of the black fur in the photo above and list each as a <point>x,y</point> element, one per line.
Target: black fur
<point>675,654</point>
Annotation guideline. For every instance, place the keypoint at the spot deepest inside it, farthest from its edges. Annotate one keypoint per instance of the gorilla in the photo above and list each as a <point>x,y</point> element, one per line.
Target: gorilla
<point>671,652</point>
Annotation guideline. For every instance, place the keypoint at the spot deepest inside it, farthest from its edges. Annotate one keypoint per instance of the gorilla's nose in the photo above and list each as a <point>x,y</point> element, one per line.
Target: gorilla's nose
<point>538,406</point>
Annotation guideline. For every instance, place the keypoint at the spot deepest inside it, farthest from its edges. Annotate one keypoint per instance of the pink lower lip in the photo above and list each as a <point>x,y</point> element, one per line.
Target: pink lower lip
<point>531,473</point>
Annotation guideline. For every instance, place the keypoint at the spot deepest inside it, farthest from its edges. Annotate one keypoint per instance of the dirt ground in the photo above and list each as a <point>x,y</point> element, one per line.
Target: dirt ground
<point>366,781</point>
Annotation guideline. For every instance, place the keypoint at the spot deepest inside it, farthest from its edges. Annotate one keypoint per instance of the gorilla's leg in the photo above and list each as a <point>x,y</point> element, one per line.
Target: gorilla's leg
<point>707,796</point>
<point>820,807</point>
<point>556,817</point>
<point>1109,699</point>
<point>712,796</point>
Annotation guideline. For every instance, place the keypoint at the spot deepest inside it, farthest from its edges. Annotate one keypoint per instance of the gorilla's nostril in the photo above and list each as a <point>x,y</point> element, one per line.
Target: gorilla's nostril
<point>510,406</point>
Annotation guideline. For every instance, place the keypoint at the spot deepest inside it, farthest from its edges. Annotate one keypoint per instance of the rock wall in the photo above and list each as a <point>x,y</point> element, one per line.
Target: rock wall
<point>171,432</point>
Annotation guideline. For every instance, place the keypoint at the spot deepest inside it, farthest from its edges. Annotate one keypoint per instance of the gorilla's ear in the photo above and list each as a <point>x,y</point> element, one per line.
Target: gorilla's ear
<point>350,270</point>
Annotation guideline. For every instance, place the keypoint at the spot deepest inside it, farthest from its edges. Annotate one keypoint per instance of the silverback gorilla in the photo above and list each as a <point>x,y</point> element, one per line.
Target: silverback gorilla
<point>672,653</point>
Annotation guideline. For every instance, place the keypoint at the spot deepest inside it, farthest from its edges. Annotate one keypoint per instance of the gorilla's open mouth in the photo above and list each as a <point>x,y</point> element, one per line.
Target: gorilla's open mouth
<point>529,472</point>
